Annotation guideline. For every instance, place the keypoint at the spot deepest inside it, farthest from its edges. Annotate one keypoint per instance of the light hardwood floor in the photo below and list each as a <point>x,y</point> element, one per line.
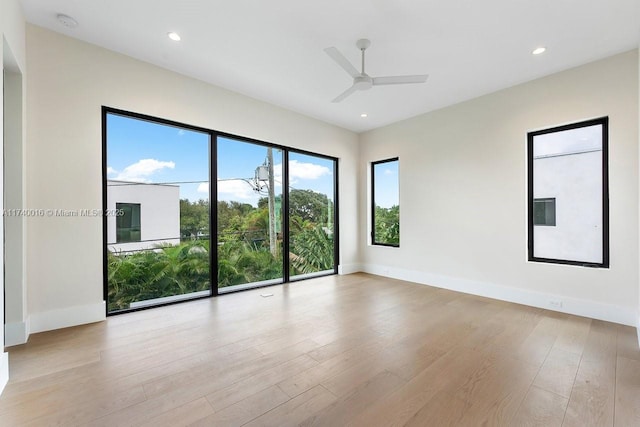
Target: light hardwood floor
<point>335,351</point>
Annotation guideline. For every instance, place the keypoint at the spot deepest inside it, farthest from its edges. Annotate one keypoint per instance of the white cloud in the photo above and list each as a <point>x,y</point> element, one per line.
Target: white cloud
<point>307,170</point>
<point>110,170</point>
<point>203,188</point>
<point>142,169</point>
<point>389,172</point>
<point>301,170</point>
<point>277,174</point>
<point>181,132</point>
<point>238,189</point>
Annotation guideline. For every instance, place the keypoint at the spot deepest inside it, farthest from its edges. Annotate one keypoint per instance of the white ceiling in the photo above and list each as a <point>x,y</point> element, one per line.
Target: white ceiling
<point>273,50</point>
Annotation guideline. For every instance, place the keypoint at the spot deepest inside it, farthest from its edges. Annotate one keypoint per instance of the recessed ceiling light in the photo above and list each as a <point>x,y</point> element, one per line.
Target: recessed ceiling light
<point>363,115</point>
<point>66,20</point>
<point>539,50</point>
<point>174,36</point>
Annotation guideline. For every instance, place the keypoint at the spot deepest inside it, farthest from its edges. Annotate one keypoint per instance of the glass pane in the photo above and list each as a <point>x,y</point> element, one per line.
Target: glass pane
<point>550,212</point>
<point>538,212</point>
<point>568,187</point>
<point>311,215</point>
<point>158,213</point>
<point>128,222</point>
<point>386,201</point>
<point>249,215</point>
<point>544,212</point>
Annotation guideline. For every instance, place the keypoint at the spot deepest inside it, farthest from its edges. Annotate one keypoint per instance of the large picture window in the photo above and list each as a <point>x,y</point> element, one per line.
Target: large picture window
<point>385,203</point>
<point>568,194</point>
<point>274,222</point>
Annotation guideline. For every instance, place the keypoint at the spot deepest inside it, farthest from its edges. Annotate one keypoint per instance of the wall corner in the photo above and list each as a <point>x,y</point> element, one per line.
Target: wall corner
<point>4,371</point>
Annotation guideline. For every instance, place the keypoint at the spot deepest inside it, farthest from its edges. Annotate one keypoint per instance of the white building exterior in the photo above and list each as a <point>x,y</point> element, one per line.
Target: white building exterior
<point>159,220</point>
<point>574,180</point>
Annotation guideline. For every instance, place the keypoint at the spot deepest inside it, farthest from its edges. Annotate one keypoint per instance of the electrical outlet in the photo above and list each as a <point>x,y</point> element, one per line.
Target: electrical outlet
<point>555,303</point>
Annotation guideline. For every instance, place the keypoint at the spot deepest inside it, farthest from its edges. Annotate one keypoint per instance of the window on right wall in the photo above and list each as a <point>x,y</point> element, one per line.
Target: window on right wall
<point>568,201</point>
<point>385,203</point>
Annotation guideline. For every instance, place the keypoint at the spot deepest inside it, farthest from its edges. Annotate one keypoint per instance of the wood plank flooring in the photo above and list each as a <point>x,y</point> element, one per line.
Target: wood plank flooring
<point>356,350</point>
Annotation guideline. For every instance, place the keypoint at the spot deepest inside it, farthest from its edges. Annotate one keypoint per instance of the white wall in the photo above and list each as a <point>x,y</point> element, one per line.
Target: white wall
<point>12,52</point>
<point>575,181</point>
<point>4,357</point>
<point>159,213</point>
<point>68,82</point>
<point>14,222</point>
<point>463,192</point>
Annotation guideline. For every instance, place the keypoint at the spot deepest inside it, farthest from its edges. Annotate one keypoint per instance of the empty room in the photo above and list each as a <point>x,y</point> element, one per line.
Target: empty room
<point>427,213</point>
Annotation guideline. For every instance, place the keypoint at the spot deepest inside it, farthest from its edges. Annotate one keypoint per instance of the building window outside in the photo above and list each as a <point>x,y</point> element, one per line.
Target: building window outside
<point>544,211</point>
<point>128,224</point>
<point>569,162</point>
<point>385,203</point>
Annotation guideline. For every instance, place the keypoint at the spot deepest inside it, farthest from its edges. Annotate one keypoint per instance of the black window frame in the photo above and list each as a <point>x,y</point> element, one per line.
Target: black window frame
<point>601,121</point>
<point>213,190</point>
<point>373,203</point>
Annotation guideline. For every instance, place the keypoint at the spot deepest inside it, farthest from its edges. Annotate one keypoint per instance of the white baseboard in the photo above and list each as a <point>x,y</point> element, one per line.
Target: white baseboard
<point>16,333</point>
<point>579,307</point>
<point>66,317</point>
<point>4,370</point>
<point>349,269</point>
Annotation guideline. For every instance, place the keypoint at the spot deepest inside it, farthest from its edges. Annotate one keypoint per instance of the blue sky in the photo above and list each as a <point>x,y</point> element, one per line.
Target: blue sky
<point>238,159</point>
<point>387,184</point>
<point>150,152</point>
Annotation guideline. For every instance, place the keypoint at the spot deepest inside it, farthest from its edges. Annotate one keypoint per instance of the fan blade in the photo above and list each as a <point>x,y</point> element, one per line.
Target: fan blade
<point>399,80</point>
<point>344,94</point>
<point>342,61</point>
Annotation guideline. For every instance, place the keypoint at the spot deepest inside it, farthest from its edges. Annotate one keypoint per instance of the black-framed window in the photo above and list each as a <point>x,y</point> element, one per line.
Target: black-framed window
<point>275,206</point>
<point>385,202</point>
<point>544,211</point>
<point>128,222</point>
<point>312,218</point>
<point>156,177</point>
<point>568,202</point>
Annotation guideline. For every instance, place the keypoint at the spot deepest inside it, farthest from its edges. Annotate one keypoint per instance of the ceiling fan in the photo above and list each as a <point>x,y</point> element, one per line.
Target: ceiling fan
<point>361,80</point>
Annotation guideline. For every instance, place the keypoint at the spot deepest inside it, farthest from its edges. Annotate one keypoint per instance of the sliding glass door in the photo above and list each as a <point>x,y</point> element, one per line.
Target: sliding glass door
<point>275,218</point>
<point>249,225</point>
<point>312,213</point>
<point>157,213</point>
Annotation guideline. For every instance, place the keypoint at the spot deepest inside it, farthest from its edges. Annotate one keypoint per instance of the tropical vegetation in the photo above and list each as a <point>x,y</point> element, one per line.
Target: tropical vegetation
<point>243,246</point>
<point>387,221</point>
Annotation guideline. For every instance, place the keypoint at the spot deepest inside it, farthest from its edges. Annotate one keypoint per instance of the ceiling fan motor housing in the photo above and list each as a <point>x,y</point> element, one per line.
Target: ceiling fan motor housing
<point>363,44</point>
<point>363,82</point>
